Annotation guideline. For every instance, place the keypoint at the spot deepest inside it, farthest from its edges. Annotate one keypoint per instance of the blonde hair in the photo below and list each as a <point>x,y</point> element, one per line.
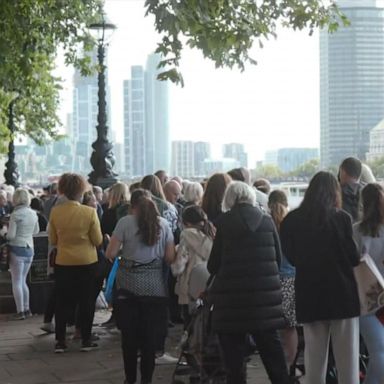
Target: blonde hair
<point>21,197</point>
<point>118,193</point>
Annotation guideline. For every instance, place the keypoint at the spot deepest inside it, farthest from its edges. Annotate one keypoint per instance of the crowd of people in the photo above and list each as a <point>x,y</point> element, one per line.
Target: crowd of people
<point>271,270</point>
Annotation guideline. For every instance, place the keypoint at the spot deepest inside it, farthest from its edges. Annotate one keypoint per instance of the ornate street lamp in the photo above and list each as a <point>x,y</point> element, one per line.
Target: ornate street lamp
<point>11,173</point>
<point>102,158</point>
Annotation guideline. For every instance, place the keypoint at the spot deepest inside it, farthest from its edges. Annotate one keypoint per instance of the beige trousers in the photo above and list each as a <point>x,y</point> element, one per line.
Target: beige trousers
<point>344,335</point>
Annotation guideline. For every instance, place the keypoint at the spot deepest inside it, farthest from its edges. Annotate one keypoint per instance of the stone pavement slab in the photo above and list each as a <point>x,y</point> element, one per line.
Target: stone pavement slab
<point>26,357</point>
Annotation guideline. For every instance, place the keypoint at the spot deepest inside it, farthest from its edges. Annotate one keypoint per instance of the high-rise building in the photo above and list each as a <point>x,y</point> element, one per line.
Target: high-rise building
<point>183,161</point>
<point>220,165</point>
<point>201,151</point>
<point>146,127</point>
<point>158,145</point>
<point>118,150</point>
<point>84,116</point>
<point>270,157</point>
<point>351,81</point>
<point>236,151</point>
<point>134,123</point>
<point>289,159</point>
<point>376,142</point>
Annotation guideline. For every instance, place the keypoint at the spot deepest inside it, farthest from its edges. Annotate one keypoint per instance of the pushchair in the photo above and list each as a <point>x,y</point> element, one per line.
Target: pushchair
<point>200,359</point>
<point>200,356</point>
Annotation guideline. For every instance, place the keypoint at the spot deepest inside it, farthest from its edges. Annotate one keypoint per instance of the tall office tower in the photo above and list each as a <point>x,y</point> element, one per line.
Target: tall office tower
<point>376,142</point>
<point>146,127</point>
<point>289,159</point>
<point>183,158</point>
<point>134,123</point>
<point>118,150</point>
<point>270,157</point>
<point>202,151</point>
<point>158,145</point>
<point>351,81</point>
<point>236,151</point>
<point>84,116</point>
<point>84,119</point>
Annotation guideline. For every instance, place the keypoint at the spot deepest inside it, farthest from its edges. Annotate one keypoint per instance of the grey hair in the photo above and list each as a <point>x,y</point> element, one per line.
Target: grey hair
<point>367,174</point>
<point>238,192</point>
<point>21,197</point>
<point>193,192</point>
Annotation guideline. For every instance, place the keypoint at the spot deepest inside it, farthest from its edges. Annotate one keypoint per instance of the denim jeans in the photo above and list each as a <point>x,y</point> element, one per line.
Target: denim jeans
<point>373,334</point>
<point>20,266</point>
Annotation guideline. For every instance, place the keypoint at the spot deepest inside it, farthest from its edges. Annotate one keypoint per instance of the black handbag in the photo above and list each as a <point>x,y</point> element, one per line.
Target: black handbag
<point>142,279</point>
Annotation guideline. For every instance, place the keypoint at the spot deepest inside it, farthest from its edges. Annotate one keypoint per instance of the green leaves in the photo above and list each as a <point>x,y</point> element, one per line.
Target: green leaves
<point>225,30</point>
<point>31,33</point>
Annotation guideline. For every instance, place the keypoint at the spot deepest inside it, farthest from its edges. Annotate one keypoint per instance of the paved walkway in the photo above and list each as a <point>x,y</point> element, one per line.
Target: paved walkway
<point>26,357</point>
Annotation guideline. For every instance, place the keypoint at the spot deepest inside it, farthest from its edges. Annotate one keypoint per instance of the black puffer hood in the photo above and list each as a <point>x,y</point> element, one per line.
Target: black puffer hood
<point>244,218</point>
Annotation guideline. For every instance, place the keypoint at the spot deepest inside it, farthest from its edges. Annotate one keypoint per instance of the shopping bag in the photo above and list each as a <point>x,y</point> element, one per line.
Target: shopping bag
<point>370,284</point>
<point>108,294</point>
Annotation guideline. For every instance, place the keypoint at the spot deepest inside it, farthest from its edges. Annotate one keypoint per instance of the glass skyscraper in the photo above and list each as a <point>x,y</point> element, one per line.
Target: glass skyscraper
<point>158,146</point>
<point>351,81</point>
<point>134,123</point>
<point>84,117</point>
<point>146,127</point>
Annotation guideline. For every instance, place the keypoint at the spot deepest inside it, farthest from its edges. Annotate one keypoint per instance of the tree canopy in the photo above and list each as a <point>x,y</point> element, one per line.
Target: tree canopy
<point>32,32</point>
<point>307,170</point>
<point>226,30</point>
<point>377,166</point>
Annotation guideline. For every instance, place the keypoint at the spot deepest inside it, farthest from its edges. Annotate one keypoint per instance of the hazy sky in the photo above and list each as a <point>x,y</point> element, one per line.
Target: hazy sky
<point>274,104</point>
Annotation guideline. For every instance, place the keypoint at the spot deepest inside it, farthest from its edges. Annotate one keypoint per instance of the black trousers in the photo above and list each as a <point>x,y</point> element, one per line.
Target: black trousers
<point>271,353</point>
<point>74,287</point>
<point>51,305</point>
<point>97,287</point>
<point>138,321</point>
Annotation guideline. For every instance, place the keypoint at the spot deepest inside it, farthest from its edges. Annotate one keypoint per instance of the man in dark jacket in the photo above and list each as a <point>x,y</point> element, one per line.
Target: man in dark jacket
<point>349,177</point>
<point>246,292</point>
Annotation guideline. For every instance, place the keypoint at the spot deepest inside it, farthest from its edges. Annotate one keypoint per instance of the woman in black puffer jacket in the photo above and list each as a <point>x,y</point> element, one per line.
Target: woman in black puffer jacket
<point>246,292</point>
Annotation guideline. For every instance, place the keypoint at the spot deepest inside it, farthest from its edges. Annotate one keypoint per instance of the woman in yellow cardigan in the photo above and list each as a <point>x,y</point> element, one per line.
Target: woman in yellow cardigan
<point>75,230</point>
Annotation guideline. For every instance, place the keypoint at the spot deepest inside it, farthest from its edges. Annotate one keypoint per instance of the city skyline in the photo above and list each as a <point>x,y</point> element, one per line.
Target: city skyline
<point>352,82</point>
<point>261,108</point>
<point>270,106</point>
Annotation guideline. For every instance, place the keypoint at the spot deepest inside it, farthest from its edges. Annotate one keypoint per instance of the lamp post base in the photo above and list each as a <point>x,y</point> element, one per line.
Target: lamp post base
<point>104,182</point>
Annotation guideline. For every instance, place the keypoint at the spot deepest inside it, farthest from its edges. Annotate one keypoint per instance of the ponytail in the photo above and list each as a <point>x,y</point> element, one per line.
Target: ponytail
<point>147,217</point>
<point>278,212</point>
<point>208,229</point>
<point>278,206</point>
<point>196,217</point>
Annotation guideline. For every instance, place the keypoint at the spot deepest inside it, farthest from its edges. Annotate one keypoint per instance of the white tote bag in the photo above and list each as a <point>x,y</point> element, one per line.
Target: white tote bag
<point>370,284</point>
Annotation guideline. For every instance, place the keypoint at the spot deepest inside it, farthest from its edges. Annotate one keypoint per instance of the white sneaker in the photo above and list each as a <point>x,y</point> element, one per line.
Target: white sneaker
<point>48,327</point>
<point>165,358</point>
